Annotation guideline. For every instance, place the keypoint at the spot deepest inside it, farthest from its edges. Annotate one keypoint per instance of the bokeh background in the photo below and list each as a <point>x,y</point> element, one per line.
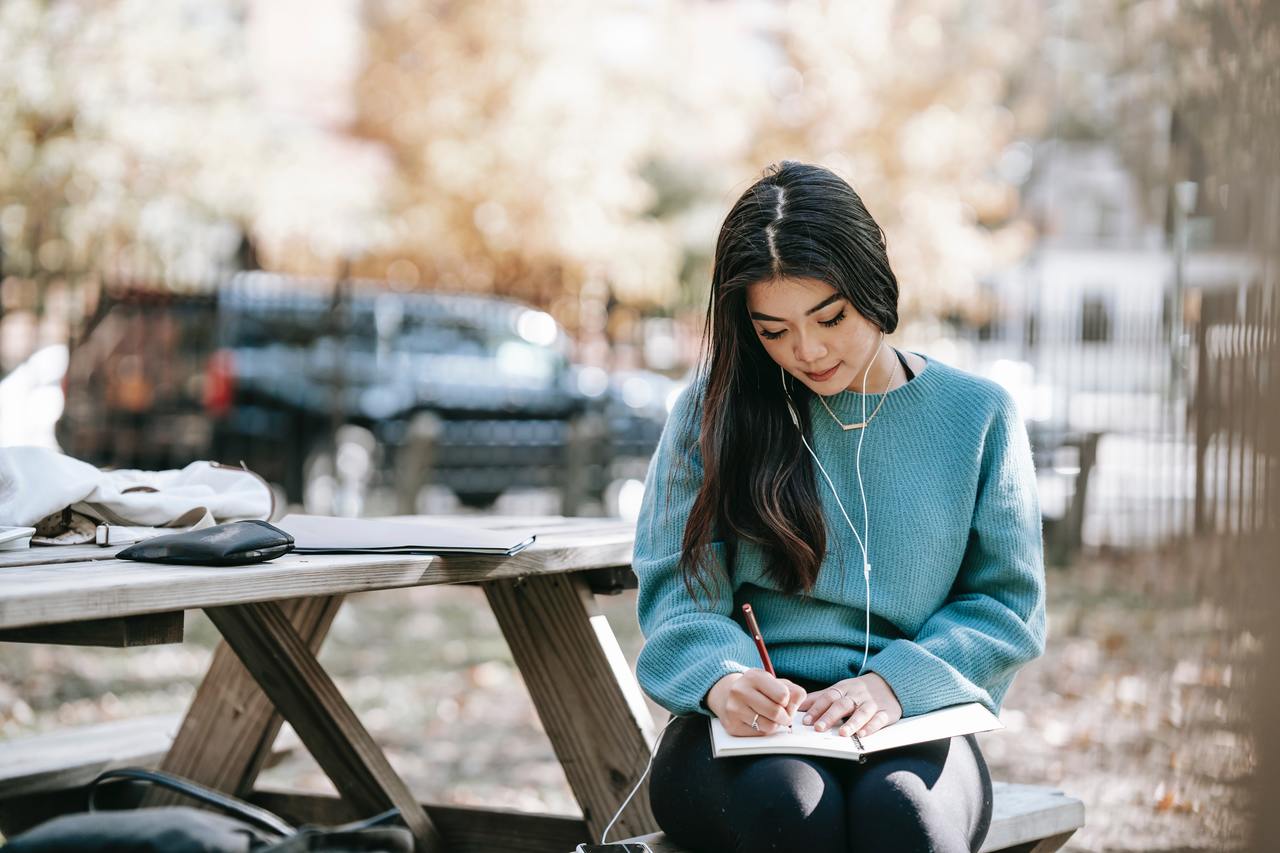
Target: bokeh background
<point>418,256</point>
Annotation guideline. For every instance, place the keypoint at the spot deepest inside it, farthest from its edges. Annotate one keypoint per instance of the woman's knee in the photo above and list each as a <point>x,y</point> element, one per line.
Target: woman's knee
<point>893,810</point>
<point>786,803</point>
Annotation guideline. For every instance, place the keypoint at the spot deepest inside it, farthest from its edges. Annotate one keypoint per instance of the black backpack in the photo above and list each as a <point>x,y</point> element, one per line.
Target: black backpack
<point>181,829</point>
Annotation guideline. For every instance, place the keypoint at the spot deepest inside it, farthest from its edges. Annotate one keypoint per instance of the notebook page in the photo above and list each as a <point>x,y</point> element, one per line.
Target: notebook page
<point>942,723</point>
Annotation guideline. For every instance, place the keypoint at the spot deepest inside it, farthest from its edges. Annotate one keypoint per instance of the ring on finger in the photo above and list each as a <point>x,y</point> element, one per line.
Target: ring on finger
<point>755,722</point>
<point>840,694</point>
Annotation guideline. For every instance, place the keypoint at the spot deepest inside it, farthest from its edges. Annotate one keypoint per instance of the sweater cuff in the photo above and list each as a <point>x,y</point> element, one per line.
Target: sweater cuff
<point>700,682</point>
<point>685,693</point>
<point>922,681</point>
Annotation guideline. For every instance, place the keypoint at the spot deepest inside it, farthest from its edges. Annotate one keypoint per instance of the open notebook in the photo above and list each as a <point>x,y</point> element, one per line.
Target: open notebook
<point>803,740</point>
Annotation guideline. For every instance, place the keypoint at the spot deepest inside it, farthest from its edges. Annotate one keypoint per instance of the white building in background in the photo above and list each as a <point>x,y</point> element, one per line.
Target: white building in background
<point>1084,323</point>
<point>1089,307</point>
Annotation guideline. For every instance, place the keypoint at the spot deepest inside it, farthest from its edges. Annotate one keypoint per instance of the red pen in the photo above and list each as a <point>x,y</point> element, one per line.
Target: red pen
<point>754,628</point>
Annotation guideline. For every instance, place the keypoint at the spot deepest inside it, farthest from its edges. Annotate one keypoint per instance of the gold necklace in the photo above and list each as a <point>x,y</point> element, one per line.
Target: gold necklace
<point>884,395</point>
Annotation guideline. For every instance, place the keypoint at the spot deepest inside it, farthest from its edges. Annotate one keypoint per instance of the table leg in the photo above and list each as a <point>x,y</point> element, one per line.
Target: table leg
<point>585,693</point>
<point>231,725</point>
<point>302,691</point>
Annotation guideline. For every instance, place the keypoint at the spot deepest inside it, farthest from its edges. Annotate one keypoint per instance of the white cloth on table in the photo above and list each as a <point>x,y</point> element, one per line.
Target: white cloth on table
<point>36,482</point>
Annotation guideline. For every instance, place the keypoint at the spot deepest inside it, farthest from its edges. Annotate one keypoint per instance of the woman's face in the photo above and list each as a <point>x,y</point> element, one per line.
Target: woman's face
<point>814,333</point>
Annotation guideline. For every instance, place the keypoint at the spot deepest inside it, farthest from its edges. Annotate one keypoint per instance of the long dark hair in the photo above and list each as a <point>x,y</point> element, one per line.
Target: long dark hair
<point>797,221</point>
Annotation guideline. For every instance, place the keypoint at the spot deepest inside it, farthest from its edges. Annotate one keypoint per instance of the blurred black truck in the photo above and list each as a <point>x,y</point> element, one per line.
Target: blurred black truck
<point>474,393</point>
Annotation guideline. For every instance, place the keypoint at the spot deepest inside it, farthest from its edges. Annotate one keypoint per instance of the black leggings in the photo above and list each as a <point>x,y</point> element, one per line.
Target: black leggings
<point>928,797</point>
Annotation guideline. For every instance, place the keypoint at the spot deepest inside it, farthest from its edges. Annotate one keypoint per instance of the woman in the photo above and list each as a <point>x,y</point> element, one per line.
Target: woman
<point>765,489</point>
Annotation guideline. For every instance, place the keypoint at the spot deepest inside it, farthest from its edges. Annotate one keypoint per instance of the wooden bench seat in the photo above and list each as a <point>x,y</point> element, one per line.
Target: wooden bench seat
<point>1024,819</point>
<point>69,758</point>
<point>45,775</point>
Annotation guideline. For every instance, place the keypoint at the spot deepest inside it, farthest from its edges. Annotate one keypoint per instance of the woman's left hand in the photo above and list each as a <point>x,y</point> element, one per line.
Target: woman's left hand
<point>868,701</point>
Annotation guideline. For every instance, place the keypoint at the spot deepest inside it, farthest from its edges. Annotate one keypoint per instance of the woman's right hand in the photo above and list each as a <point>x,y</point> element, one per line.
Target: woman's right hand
<point>737,698</point>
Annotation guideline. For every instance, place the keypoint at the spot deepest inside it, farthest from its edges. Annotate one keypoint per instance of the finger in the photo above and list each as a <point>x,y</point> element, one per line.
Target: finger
<point>773,688</point>
<point>776,689</point>
<point>763,725</point>
<point>768,727</point>
<point>860,717</point>
<point>839,710</point>
<point>839,704</point>
<point>768,709</point>
<point>822,702</point>
<point>797,696</point>
<point>780,691</point>
<point>759,682</point>
<point>814,706</point>
<point>878,721</point>
<point>836,712</point>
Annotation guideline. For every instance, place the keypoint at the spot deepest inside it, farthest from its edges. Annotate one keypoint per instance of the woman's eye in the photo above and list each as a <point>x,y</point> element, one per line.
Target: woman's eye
<point>771,336</point>
<point>834,321</point>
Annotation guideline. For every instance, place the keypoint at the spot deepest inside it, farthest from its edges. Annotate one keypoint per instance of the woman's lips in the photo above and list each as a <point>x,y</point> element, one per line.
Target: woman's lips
<point>821,377</point>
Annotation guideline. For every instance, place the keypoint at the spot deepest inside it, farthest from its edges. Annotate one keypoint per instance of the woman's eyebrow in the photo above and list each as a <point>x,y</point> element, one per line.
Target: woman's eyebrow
<point>823,304</point>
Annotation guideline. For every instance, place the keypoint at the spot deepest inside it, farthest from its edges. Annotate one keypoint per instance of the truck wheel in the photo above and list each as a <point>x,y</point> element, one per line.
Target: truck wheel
<point>478,500</point>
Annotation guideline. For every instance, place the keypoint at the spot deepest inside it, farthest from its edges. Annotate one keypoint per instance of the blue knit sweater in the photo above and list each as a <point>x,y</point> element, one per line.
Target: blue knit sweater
<point>957,570</point>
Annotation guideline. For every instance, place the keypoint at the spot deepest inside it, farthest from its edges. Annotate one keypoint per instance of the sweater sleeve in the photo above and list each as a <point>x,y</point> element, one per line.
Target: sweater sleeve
<point>689,645</point>
<point>993,620</point>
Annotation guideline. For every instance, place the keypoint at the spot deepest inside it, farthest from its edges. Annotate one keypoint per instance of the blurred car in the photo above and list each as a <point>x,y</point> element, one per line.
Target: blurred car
<point>474,393</point>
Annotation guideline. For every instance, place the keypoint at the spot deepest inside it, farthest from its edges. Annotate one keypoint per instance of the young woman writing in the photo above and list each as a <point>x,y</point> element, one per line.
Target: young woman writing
<point>875,507</point>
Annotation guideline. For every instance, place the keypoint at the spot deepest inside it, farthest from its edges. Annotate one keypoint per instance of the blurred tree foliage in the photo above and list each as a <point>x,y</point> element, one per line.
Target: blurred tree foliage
<point>543,150</point>
<point>125,134</point>
<point>914,103</point>
<point>133,143</point>
<point>1186,90</point>
<point>543,147</point>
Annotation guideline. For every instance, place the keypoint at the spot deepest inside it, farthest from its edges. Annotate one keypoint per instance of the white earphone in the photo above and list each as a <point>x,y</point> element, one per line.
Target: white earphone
<point>863,544</point>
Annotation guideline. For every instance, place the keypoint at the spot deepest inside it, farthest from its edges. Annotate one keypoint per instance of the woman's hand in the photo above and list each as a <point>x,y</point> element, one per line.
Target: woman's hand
<point>741,698</point>
<point>872,697</point>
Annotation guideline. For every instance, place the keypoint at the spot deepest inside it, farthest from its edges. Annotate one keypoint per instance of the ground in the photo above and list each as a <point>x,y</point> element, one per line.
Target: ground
<point>1137,708</point>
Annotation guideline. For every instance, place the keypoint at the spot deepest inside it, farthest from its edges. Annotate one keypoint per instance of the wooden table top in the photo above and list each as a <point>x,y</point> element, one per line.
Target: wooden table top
<point>50,585</point>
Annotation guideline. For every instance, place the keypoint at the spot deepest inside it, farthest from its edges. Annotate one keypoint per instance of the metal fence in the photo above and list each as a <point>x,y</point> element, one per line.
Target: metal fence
<point>1237,442</point>
<point>1143,435</point>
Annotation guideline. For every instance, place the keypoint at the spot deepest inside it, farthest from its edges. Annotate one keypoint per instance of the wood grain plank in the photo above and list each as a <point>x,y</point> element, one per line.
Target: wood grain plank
<point>464,829</point>
<point>1024,813</point>
<point>48,594</point>
<point>71,757</point>
<point>151,629</point>
<point>1025,819</point>
<point>269,648</point>
<point>230,727</point>
<point>44,554</point>
<point>589,702</point>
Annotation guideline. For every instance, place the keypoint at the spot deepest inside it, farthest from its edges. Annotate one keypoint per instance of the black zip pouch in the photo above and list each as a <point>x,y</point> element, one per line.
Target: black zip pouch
<point>235,543</point>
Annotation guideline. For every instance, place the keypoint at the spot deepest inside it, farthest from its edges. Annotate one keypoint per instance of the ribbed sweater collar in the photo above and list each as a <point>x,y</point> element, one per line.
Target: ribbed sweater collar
<point>848,404</point>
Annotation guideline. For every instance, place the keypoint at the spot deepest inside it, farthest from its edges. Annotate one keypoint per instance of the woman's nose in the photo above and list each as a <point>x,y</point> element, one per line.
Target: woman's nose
<point>809,349</point>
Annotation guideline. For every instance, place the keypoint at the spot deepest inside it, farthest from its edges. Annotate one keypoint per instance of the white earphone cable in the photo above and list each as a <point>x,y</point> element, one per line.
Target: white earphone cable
<point>863,544</point>
<point>605,835</point>
<point>866,514</point>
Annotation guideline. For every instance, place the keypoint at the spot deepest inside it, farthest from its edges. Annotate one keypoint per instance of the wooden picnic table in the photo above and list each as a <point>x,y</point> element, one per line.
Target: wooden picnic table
<point>273,617</point>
